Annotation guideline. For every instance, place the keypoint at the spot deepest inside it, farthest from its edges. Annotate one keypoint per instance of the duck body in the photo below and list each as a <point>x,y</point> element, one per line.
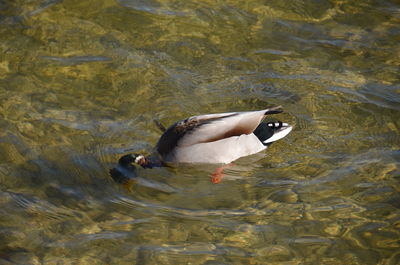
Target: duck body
<point>219,138</point>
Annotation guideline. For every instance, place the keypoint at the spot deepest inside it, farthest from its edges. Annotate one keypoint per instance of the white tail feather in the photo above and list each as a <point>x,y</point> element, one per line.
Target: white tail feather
<point>285,130</point>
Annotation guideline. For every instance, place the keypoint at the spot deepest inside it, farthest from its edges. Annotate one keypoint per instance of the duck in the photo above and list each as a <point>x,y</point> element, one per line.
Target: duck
<point>219,138</point>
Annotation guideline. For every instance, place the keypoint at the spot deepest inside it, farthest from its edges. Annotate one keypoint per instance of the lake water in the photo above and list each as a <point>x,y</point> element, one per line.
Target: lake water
<point>81,82</point>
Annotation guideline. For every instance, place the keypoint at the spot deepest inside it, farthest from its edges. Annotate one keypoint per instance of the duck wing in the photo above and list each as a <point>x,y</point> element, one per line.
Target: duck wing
<point>210,128</point>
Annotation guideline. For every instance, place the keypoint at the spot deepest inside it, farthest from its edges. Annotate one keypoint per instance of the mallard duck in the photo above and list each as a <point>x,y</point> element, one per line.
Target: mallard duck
<point>216,138</point>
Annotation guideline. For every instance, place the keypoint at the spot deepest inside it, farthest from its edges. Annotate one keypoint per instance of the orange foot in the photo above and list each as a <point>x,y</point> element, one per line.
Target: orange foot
<point>218,174</point>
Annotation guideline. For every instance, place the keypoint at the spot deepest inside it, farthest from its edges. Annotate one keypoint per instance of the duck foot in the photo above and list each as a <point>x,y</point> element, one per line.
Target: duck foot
<point>218,174</point>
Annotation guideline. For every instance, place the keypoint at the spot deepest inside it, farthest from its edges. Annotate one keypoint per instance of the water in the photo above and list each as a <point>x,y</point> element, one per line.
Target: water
<point>81,81</point>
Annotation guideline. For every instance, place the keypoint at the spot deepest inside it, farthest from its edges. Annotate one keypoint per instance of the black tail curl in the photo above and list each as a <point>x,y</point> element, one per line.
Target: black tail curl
<point>266,130</point>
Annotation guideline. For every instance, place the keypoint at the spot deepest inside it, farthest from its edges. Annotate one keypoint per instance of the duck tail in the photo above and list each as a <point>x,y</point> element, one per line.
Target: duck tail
<point>268,132</point>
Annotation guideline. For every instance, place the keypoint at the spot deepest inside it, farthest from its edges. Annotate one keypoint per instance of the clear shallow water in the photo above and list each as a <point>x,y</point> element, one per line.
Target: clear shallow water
<point>81,81</point>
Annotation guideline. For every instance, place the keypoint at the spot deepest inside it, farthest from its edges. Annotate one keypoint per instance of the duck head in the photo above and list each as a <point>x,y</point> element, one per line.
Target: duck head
<point>125,169</point>
<point>127,161</point>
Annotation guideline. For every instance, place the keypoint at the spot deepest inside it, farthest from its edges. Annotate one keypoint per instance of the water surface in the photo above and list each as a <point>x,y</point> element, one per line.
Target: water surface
<point>81,81</point>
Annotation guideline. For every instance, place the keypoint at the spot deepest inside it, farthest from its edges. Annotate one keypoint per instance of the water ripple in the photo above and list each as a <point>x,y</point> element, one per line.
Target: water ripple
<point>73,60</point>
